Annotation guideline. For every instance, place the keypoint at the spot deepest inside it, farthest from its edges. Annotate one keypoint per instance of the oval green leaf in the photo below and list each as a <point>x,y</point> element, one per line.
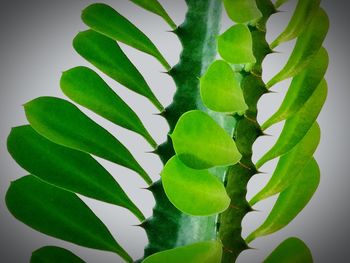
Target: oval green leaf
<point>105,54</point>
<point>236,45</point>
<point>201,143</point>
<point>204,252</point>
<point>51,254</point>
<point>64,124</point>
<point>107,21</point>
<point>292,250</point>
<point>85,87</point>
<point>59,213</point>
<point>66,168</point>
<point>220,89</point>
<point>242,11</point>
<point>307,46</point>
<point>193,192</point>
<point>290,202</point>
<point>302,16</point>
<point>297,126</point>
<point>290,165</point>
<point>301,89</point>
<point>155,7</point>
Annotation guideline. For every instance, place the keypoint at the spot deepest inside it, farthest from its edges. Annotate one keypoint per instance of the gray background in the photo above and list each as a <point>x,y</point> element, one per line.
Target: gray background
<point>36,46</point>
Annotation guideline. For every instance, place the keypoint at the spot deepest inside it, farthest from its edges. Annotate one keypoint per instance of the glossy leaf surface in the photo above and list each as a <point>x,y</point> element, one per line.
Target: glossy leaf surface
<point>290,165</point>
<point>291,201</point>
<point>296,127</point>
<point>107,21</point>
<point>242,11</point>
<point>236,45</point>
<point>194,192</point>
<point>204,252</point>
<point>105,54</point>
<point>201,143</point>
<point>85,87</point>
<point>306,47</point>
<point>292,250</point>
<point>51,254</point>
<point>63,123</point>
<point>303,14</point>
<point>59,213</point>
<point>66,168</point>
<point>220,89</point>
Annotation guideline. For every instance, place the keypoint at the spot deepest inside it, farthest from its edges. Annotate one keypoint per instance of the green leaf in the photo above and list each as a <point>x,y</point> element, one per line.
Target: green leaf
<point>66,168</point>
<point>307,46</point>
<point>193,192</point>
<point>302,16</point>
<point>201,143</point>
<point>85,87</point>
<point>290,165</point>
<point>105,54</point>
<point>64,124</point>
<point>155,7</point>
<point>290,202</point>
<point>280,3</point>
<point>220,89</point>
<point>236,45</point>
<point>297,126</point>
<point>204,252</point>
<point>292,250</point>
<point>51,254</point>
<point>59,213</point>
<point>301,89</point>
<point>242,11</point>
<point>107,21</point>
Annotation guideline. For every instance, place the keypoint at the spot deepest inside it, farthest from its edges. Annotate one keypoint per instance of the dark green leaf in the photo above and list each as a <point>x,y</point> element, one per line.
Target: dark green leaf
<point>204,252</point>
<point>155,7</point>
<point>297,126</point>
<point>306,48</point>
<point>292,250</point>
<point>66,168</point>
<point>242,11</point>
<point>63,123</point>
<point>303,14</point>
<point>107,21</point>
<point>290,165</point>
<point>87,88</point>
<point>59,213</point>
<point>290,202</point>
<point>51,254</point>
<point>194,192</point>
<point>105,54</point>
<point>301,89</point>
<point>201,143</point>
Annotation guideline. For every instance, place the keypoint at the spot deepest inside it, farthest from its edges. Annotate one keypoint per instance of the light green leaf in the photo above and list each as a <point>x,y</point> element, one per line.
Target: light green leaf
<point>292,250</point>
<point>64,124</point>
<point>307,46</point>
<point>236,45</point>
<point>51,254</point>
<point>297,126</point>
<point>194,192</point>
<point>242,11</point>
<point>107,21</point>
<point>302,16</point>
<point>290,165</point>
<point>290,202</point>
<point>155,7</point>
<point>301,88</point>
<point>201,143</point>
<point>204,252</point>
<point>59,213</point>
<point>85,87</point>
<point>105,54</point>
<point>220,89</point>
<point>66,168</point>
<point>280,3</point>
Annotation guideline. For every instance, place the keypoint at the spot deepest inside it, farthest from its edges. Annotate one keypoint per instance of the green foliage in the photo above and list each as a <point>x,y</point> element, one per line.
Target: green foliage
<point>242,11</point>
<point>51,254</point>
